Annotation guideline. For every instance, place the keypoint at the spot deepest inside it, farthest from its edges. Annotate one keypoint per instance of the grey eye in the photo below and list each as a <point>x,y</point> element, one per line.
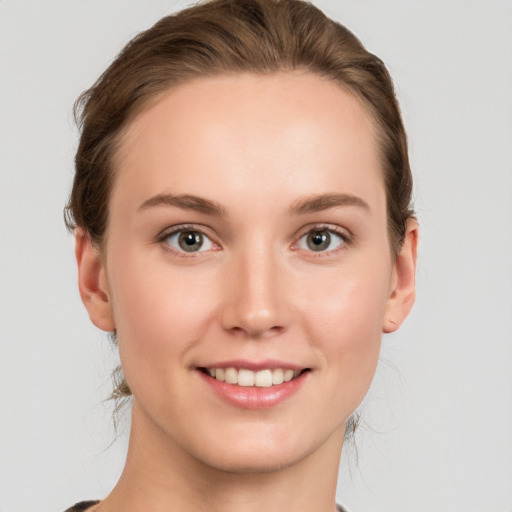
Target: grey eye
<point>320,240</point>
<point>189,241</point>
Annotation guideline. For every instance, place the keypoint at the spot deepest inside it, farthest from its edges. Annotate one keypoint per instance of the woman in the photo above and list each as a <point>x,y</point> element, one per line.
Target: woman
<point>243,227</point>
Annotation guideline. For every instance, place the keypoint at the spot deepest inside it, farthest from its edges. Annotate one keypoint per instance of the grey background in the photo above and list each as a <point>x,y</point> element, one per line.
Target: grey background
<point>438,420</point>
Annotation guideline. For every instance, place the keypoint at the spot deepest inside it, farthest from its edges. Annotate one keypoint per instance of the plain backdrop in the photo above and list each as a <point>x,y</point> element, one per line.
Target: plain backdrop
<point>437,434</point>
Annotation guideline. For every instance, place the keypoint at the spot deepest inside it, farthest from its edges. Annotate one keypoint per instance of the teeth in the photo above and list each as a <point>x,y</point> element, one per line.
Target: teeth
<point>245,378</point>
<point>277,376</point>
<point>231,376</point>
<point>263,378</point>
<point>288,375</point>
<point>248,378</point>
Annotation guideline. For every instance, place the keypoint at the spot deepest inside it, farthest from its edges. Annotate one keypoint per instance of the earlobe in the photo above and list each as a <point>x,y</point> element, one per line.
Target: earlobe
<point>402,295</point>
<point>92,282</point>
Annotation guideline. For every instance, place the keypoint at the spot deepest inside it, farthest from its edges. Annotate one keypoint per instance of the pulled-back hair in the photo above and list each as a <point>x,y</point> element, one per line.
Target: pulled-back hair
<point>225,37</point>
<point>232,36</point>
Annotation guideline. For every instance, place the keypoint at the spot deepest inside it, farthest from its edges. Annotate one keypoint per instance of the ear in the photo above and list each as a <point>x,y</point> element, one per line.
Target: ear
<point>403,283</point>
<point>92,282</point>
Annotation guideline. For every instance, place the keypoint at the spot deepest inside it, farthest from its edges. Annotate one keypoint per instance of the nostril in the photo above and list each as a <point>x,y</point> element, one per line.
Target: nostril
<point>256,331</point>
<point>267,333</point>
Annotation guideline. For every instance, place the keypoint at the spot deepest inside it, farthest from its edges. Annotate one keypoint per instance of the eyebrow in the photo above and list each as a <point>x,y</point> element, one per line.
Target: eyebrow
<point>186,202</point>
<point>310,204</point>
<point>321,202</point>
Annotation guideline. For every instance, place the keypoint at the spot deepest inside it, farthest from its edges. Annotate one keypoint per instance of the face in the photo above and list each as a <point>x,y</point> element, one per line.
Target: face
<point>247,268</point>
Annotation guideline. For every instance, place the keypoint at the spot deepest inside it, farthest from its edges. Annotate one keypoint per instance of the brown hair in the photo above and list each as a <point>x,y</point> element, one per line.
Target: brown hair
<point>231,36</point>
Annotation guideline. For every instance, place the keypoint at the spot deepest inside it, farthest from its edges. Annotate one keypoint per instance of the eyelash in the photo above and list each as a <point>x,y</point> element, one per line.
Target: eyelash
<point>345,236</point>
<point>346,239</point>
<point>184,228</point>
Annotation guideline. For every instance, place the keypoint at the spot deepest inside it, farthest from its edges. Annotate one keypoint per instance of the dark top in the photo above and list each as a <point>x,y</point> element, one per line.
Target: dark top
<point>84,505</point>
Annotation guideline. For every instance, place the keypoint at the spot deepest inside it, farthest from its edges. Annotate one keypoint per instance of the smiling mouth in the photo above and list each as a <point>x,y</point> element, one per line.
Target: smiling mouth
<point>247,378</point>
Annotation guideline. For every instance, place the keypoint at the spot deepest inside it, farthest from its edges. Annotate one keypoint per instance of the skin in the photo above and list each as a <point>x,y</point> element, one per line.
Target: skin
<point>258,146</point>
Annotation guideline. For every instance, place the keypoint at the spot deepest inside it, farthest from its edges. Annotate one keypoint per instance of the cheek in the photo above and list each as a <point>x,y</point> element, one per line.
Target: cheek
<point>160,312</point>
<point>344,319</point>
<point>349,302</point>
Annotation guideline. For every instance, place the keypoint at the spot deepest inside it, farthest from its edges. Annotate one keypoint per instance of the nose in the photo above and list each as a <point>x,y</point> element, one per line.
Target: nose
<point>255,305</point>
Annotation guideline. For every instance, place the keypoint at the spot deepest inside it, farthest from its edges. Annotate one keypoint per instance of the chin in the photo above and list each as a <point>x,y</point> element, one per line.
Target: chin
<point>258,454</point>
<point>247,463</point>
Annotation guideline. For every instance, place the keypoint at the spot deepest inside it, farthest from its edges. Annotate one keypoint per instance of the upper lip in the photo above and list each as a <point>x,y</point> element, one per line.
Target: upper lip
<point>255,366</point>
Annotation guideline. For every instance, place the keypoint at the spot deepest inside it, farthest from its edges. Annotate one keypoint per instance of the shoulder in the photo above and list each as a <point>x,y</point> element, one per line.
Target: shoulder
<point>83,505</point>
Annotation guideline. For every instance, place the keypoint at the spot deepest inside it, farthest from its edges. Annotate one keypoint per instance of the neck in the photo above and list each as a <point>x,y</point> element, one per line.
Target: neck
<point>160,476</point>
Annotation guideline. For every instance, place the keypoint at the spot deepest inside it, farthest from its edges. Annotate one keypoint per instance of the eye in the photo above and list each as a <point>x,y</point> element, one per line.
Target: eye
<point>188,240</point>
<point>321,240</point>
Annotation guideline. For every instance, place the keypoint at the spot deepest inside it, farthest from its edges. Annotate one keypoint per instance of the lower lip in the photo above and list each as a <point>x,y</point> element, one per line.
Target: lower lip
<point>252,397</point>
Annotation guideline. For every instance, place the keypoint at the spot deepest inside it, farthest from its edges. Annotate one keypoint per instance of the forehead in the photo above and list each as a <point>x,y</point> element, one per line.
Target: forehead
<point>254,132</point>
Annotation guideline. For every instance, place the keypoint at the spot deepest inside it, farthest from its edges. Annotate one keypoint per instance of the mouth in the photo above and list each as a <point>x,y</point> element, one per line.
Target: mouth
<point>251,385</point>
<point>243,377</point>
